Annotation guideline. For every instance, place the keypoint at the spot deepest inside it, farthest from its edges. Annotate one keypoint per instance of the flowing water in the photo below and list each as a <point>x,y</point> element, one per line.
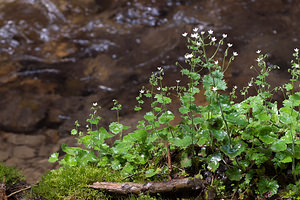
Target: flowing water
<point>59,56</point>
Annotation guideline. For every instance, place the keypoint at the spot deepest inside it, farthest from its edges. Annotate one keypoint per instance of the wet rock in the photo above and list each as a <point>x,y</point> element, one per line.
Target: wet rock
<point>19,114</point>
<point>31,175</point>
<point>23,152</point>
<point>4,155</point>
<point>22,139</point>
<point>45,150</point>
<point>52,135</point>
<point>15,162</point>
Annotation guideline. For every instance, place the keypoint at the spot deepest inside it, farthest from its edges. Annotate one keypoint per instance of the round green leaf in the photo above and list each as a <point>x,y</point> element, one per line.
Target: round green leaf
<point>278,146</point>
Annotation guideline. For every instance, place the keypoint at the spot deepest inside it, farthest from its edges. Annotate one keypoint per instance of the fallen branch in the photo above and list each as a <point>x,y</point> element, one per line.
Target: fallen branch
<point>175,185</point>
<point>18,191</point>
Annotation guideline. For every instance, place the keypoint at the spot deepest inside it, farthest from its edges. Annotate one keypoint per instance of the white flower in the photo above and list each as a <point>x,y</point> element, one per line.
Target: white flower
<point>235,87</point>
<point>250,84</point>
<point>158,88</point>
<point>297,66</point>
<point>178,81</point>
<point>214,88</point>
<point>258,51</point>
<point>224,35</point>
<point>142,91</point>
<point>229,44</point>
<point>87,126</point>
<point>194,35</point>
<point>198,43</point>
<point>216,62</point>
<point>195,29</point>
<point>184,34</point>
<point>296,50</point>
<point>258,59</point>
<point>210,32</point>
<point>95,104</point>
<point>213,39</point>
<point>202,32</point>
<point>158,68</point>
<point>235,53</point>
<point>187,56</point>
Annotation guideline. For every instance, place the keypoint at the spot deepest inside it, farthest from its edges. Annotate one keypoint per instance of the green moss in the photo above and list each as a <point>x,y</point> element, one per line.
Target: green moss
<point>10,175</point>
<point>71,183</point>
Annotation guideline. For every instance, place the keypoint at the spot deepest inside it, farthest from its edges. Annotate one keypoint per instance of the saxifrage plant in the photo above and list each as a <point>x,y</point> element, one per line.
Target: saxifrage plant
<point>247,147</point>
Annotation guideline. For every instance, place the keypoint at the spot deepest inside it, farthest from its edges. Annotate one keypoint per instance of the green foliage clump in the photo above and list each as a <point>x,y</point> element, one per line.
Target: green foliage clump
<point>248,148</point>
<point>10,175</point>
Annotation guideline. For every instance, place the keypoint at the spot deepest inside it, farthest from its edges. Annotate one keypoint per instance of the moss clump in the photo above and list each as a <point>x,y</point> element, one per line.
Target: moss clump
<point>71,183</point>
<point>10,175</point>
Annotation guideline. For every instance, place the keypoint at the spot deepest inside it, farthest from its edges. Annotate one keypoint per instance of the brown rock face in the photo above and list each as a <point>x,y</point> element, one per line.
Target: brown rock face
<point>23,152</point>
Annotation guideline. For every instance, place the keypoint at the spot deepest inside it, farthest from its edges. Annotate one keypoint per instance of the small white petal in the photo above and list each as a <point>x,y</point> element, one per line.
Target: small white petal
<point>210,32</point>
<point>184,34</point>
<point>235,54</point>
<point>142,91</point>
<point>158,88</point>
<point>258,51</point>
<point>296,50</point>
<point>213,39</point>
<point>229,44</point>
<point>235,87</point>
<point>224,35</point>
<point>198,43</point>
<point>215,89</point>
<point>194,35</point>
<point>95,104</point>
<point>187,56</point>
<point>158,68</point>
<point>258,59</point>
<point>250,84</point>
<point>216,62</point>
<point>195,29</point>
<point>178,81</point>
<point>202,32</point>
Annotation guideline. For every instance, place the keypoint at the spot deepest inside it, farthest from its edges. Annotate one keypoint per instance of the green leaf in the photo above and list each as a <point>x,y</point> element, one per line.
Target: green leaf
<point>279,145</point>
<point>69,160</point>
<point>85,156</point>
<point>283,157</point>
<point>115,127</point>
<point>183,143</point>
<point>115,165</point>
<point>128,169</point>
<point>184,110</point>
<point>162,99</point>
<point>267,135</point>
<point>152,172</point>
<point>213,161</point>
<point>166,117</point>
<point>53,158</point>
<point>139,135</point>
<point>150,116</point>
<point>266,185</point>
<point>74,132</point>
<point>185,160</point>
<point>220,135</point>
<point>234,174</point>
<point>233,151</point>
<point>70,150</point>
<point>263,116</point>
